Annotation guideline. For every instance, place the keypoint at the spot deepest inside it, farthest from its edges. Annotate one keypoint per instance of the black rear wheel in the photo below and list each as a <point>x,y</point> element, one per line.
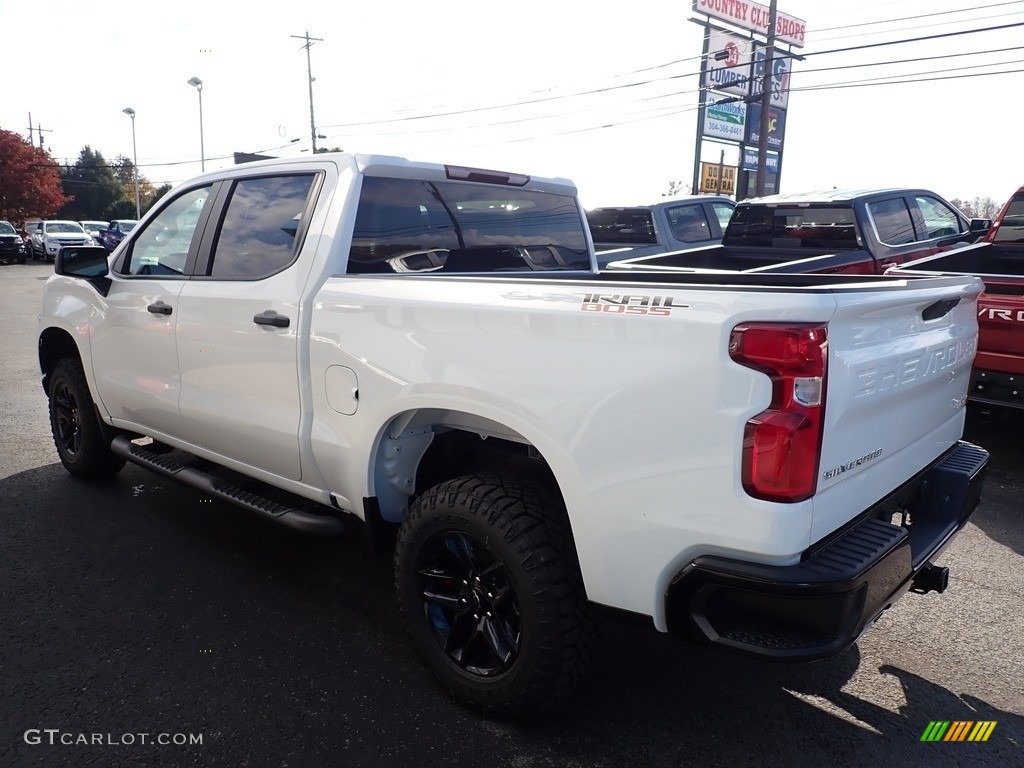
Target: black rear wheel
<point>490,587</point>
<point>76,429</point>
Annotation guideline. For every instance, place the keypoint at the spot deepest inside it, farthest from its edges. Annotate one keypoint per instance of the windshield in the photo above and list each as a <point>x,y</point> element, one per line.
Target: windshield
<point>776,226</point>
<point>6,229</point>
<point>65,227</point>
<point>127,226</point>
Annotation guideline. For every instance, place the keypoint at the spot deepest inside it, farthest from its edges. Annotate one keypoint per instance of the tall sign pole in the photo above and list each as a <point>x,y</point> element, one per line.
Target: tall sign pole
<point>701,109</point>
<point>766,101</point>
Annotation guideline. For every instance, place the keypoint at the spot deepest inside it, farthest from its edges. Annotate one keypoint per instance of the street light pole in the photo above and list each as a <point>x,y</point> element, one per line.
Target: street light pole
<point>195,81</point>
<point>135,161</point>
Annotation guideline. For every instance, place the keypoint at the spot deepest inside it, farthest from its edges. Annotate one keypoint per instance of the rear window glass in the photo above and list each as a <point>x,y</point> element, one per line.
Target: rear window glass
<point>775,226</point>
<point>1011,230</point>
<point>634,226</point>
<point>408,225</point>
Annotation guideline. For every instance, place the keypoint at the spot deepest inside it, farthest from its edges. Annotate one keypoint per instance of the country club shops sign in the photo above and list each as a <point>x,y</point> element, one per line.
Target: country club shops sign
<point>754,16</point>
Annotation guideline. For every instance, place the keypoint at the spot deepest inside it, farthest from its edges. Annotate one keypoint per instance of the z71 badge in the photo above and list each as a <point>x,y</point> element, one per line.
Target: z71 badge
<point>629,304</point>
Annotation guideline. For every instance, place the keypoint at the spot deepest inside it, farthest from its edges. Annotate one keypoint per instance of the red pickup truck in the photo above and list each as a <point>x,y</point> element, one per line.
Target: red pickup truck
<point>998,259</point>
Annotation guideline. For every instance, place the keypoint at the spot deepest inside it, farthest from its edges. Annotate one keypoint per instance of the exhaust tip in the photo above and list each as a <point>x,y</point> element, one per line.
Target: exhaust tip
<point>931,578</point>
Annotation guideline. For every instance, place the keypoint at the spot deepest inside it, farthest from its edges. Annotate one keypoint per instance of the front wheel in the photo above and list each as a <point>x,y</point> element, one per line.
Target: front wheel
<point>490,588</point>
<point>76,428</point>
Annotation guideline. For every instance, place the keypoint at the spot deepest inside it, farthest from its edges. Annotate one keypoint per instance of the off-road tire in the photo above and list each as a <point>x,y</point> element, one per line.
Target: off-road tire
<point>77,433</point>
<point>523,526</point>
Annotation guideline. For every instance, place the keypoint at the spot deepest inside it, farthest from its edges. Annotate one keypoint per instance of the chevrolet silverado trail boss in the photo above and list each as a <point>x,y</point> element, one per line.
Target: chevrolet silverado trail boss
<point>761,463</point>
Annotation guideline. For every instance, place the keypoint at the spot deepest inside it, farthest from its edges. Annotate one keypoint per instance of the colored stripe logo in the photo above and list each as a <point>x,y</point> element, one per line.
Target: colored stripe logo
<point>958,730</point>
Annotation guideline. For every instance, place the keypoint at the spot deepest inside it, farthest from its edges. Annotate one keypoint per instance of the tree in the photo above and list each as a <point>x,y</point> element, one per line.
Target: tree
<point>124,170</point>
<point>95,187</point>
<point>676,188</point>
<point>322,150</point>
<point>30,184</point>
<point>159,192</point>
<point>978,208</point>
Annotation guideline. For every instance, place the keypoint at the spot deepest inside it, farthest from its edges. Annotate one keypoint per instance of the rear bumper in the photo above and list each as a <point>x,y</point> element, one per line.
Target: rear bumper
<point>996,388</point>
<point>821,605</point>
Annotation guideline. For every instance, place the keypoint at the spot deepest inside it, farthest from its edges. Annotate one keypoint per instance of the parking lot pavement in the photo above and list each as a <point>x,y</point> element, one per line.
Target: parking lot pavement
<point>134,606</point>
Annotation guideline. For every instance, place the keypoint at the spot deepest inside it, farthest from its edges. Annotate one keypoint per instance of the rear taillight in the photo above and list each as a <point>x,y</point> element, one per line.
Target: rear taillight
<point>782,445</point>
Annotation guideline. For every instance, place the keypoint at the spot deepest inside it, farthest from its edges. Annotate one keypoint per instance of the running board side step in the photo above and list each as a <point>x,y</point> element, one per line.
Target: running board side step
<point>166,465</point>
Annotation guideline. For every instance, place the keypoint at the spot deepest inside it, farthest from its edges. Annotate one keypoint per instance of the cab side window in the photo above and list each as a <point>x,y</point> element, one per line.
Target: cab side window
<point>258,235</point>
<point>162,247</point>
<point>689,223</point>
<point>892,221</point>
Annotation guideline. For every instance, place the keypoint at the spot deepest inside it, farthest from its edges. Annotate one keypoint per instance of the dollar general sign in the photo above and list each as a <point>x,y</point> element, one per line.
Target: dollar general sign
<point>709,179</point>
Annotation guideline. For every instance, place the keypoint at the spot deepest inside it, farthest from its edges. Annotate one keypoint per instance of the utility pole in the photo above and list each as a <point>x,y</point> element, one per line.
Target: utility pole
<point>38,129</point>
<point>309,69</point>
<point>766,102</point>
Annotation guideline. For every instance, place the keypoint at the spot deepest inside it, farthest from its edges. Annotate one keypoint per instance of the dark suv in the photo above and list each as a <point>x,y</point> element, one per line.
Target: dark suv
<point>12,246</point>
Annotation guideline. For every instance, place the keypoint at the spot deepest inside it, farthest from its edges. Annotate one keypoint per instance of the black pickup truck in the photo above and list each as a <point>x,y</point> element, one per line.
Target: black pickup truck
<point>836,231</point>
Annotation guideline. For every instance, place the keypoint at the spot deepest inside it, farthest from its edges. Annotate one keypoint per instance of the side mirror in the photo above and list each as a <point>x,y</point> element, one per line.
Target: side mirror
<point>82,261</point>
<point>980,226</point>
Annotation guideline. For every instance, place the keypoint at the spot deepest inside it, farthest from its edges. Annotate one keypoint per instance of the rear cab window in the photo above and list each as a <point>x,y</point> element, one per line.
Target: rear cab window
<point>777,226</point>
<point>411,225</point>
<point>625,226</point>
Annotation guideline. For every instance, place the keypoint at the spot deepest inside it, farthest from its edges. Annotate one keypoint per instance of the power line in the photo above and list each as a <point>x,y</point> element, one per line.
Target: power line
<point>589,92</point>
<point>917,16</point>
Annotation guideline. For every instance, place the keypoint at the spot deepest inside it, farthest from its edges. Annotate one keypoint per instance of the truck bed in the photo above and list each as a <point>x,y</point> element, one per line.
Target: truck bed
<point>999,365</point>
<point>982,259</point>
<point>746,259</point>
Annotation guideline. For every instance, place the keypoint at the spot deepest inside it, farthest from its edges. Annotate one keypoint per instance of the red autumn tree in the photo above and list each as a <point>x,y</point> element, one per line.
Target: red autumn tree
<point>30,185</point>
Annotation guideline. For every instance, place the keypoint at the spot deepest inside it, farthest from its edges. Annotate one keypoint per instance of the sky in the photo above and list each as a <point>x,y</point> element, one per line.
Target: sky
<point>604,94</point>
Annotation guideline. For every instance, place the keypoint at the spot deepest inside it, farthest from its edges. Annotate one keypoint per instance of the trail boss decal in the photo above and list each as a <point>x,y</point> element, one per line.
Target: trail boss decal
<point>629,304</point>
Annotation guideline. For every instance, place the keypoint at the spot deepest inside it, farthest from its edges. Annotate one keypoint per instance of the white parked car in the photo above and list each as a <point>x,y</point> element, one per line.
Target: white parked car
<point>50,236</point>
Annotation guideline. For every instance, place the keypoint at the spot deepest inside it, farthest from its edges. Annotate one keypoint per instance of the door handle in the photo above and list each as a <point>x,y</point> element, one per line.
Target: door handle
<point>160,308</point>
<point>271,318</point>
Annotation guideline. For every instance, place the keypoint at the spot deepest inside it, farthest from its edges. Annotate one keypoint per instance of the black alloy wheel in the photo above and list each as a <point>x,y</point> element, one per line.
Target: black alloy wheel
<point>470,603</point>
<point>78,435</point>
<point>68,423</point>
<point>489,584</point>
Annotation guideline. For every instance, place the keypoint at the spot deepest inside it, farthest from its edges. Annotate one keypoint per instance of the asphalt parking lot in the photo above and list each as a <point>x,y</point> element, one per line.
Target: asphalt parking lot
<point>135,607</point>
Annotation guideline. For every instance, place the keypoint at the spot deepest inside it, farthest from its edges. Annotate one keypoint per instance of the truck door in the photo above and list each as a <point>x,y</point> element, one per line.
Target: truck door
<point>238,328</point>
<point>134,352</point>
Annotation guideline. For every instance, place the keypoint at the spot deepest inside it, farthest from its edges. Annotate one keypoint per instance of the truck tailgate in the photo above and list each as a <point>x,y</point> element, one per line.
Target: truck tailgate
<point>899,369</point>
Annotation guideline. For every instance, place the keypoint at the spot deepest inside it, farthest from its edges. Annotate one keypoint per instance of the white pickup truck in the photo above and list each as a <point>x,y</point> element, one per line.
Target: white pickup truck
<point>762,463</point>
